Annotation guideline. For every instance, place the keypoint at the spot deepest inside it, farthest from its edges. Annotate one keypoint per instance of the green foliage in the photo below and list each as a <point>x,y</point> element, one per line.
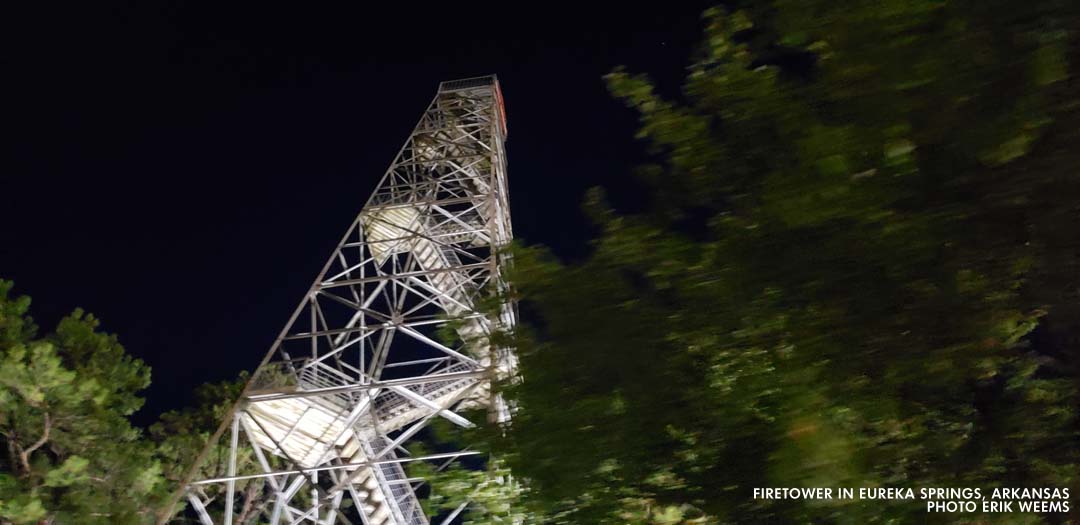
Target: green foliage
<point>72,456</point>
<point>181,436</point>
<point>491,495</point>
<point>836,284</point>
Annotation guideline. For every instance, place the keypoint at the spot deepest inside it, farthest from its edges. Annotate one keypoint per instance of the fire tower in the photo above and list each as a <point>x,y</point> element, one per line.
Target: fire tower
<point>390,336</point>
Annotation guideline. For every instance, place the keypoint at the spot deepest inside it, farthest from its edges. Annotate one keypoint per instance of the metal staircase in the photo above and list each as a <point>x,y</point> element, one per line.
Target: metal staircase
<point>362,365</point>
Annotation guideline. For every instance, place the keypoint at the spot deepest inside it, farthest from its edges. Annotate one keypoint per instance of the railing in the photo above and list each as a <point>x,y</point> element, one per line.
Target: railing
<point>392,476</point>
<point>319,375</point>
<point>391,404</point>
<point>466,83</point>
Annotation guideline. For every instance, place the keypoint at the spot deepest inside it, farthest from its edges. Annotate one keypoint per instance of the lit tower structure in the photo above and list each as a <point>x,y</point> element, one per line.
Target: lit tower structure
<point>390,336</point>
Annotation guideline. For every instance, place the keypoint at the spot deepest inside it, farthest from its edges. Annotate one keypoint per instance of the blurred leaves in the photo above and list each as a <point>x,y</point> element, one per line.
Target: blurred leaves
<point>489,495</point>
<point>837,283</point>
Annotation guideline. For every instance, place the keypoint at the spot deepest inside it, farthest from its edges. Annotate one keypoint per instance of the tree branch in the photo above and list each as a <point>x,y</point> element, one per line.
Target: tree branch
<point>252,491</point>
<point>24,454</point>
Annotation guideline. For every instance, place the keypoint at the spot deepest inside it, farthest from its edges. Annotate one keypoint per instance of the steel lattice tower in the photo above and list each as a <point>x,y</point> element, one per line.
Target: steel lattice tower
<point>359,369</point>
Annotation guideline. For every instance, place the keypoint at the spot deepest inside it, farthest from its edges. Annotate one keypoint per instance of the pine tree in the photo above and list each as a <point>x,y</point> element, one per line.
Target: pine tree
<point>72,456</point>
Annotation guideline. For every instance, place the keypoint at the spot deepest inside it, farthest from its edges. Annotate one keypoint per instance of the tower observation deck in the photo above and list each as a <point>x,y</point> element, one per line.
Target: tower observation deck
<point>389,337</point>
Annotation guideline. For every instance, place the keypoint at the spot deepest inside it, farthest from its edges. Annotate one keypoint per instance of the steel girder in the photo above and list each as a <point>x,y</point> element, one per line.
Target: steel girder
<point>359,369</point>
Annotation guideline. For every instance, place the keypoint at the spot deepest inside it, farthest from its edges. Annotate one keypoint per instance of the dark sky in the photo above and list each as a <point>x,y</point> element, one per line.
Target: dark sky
<point>183,170</point>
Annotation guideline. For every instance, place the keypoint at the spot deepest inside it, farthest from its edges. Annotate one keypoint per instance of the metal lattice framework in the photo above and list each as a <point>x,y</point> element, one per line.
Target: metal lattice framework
<point>360,369</point>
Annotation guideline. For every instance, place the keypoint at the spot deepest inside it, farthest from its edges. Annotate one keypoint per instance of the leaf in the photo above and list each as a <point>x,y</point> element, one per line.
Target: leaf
<point>70,472</point>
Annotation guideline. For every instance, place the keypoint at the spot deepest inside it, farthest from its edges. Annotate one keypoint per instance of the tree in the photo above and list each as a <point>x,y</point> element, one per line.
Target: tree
<point>482,496</point>
<point>72,456</point>
<point>862,210</point>
<point>180,436</point>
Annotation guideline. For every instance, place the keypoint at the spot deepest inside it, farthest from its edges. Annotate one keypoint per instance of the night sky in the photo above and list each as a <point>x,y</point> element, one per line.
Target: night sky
<point>183,171</point>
